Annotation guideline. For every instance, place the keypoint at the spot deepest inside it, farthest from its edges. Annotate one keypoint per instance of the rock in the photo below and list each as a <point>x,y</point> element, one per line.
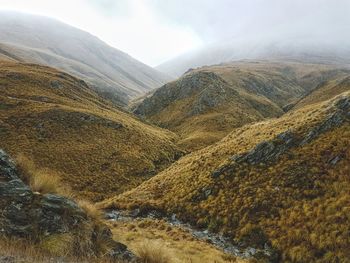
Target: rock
<point>210,89</point>
<point>7,259</point>
<point>268,151</point>
<point>15,76</point>
<point>336,119</point>
<point>56,84</point>
<point>335,160</point>
<point>218,172</point>
<point>25,214</point>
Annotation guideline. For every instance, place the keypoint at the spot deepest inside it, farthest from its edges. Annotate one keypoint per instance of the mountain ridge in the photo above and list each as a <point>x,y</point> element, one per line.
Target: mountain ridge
<point>47,41</point>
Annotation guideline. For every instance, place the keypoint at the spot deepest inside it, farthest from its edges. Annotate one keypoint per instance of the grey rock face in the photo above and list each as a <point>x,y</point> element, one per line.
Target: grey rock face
<point>336,119</point>
<point>270,151</point>
<point>26,214</point>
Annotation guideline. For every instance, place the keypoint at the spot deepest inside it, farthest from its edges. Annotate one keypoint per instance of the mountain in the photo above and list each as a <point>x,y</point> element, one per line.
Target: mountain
<point>57,122</point>
<point>202,108</point>
<point>42,40</point>
<point>296,50</point>
<point>325,90</point>
<point>280,183</point>
<point>205,104</point>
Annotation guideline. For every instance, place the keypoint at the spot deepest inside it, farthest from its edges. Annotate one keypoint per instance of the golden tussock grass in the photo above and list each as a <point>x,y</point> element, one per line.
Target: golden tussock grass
<point>26,251</point>
<point>298,203</point>
<point>261,90</point>
<point>96,148</point>
<point>152,253</point>
<point>148,238</point>
<point>90,209</point>
<point>43,180</point>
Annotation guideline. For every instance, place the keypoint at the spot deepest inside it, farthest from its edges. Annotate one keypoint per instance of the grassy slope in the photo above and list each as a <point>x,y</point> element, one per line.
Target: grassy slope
<point>326,90</point>
<point>280,82</point>
<point>253,90</point>
<point>202,108</point>
<point>300,202</point>
<point>56,120</point>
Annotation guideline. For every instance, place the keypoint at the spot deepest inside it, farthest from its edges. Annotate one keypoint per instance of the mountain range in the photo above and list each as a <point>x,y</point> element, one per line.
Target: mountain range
<point>244,157</point>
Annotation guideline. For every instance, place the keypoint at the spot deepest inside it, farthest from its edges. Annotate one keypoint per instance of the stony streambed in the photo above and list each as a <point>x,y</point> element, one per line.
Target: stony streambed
<point>216,240</point>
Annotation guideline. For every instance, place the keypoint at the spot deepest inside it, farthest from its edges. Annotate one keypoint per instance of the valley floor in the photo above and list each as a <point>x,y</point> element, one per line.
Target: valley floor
<point>174,243</point>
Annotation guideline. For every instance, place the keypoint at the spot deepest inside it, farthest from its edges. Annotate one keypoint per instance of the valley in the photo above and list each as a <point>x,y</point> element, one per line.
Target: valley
<point>237,151</point>
<point>250,179</point>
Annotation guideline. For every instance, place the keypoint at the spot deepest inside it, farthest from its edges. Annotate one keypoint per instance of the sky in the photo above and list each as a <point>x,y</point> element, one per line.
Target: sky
<point>155,31</point>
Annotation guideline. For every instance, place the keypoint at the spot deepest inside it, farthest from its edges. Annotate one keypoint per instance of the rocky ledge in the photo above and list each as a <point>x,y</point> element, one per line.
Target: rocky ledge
<point>33,216</point>
<point>270,151</point>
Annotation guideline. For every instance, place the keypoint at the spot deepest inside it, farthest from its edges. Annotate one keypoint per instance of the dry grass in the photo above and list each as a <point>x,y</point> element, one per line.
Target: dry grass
<point>208,123</point>
<point>90,209</point>
<point>175,244</point>
<point>97,149</point>
<point>326,91</point>
<point>25,251</point>
<point>298,203</point>
<point>262,89</point>
<point>43,180</point>
<point>152,253</point>
<point>22,249</point>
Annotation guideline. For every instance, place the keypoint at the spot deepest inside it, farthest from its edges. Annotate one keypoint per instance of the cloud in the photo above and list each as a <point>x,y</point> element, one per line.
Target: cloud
<point>156,30</point>
<point>225,19</point>
<point>129,25</point>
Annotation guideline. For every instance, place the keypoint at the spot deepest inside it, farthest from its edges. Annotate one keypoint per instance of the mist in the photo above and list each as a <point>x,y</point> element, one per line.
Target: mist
<point>220,20</point>
<point>311,30</point>
<point>155,31</point>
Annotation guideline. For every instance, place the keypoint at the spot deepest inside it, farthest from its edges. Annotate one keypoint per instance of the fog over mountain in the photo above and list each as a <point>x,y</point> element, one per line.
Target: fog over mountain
<point>111,72</point>
<point>233,30</point>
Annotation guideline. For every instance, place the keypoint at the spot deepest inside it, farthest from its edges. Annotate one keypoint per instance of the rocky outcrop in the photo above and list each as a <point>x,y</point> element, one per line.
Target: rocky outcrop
<point>30,215</point>
<point>270,151</point>
<point>211,90</point>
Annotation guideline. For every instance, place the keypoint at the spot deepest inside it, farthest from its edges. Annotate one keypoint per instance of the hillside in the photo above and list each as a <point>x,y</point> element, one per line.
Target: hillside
<point>46,41</point>
<point>282,182</point>
<point>57,122</point>
<point>202,108</point>
<point>205,104</point>
<point>324,91</point>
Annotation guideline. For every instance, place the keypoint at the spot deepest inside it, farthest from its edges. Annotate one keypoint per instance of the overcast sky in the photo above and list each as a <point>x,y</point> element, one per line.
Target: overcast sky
<point>154,31</point>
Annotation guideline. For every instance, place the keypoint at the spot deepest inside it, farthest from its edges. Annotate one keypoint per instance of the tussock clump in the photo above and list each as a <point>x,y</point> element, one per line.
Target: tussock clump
<point>90,209</point>
<point>43,181</point>
<point>153,253</point>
